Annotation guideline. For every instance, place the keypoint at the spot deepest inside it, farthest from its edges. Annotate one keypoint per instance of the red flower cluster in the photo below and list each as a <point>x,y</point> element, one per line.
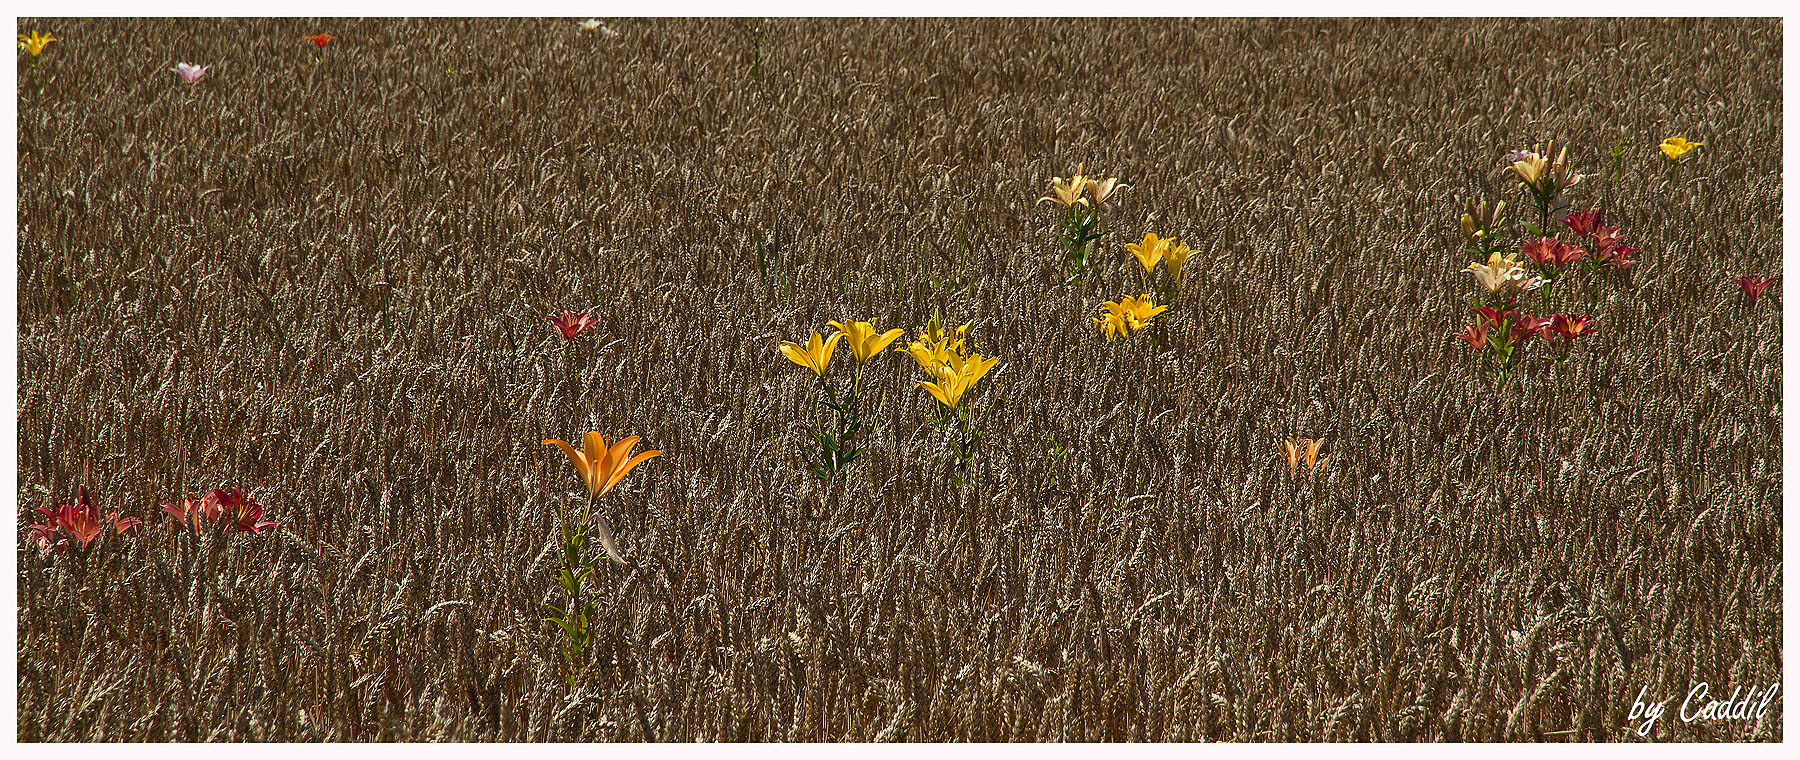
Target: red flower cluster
<point>320,40</point>
<point>1552,253</point>
<point>572,324</point>
<point>1753,286</point>
<point>1516,327</point>
<point>220,507</point>
<point>1606,243</point>
<point>80,521</point>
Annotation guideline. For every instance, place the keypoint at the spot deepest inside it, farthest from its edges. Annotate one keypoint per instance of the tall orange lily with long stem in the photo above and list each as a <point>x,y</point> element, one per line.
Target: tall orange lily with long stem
<point>599,467</point>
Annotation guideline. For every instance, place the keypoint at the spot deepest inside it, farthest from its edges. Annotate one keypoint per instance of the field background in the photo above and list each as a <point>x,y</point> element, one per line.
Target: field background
<point>322,276</point>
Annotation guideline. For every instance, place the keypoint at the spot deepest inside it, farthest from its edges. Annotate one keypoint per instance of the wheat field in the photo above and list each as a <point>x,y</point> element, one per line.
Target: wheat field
<point>321,275</point>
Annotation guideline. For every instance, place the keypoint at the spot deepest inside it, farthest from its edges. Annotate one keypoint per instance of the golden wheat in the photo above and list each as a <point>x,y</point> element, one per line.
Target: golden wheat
<point>321,275</point>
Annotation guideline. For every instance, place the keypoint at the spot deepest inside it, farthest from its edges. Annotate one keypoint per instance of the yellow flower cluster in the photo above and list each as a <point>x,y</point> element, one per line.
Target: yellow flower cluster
<point>1127,315</point>
<point>953,372</point>
<point>941,353</point>
<point>1154,250</point>
<point>935,345</point>
<point>865,343</point>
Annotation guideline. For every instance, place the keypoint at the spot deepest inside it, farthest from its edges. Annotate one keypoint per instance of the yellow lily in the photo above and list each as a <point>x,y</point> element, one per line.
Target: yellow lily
<point>934,346</point>
<point>1150,251</point>
<point>957,376</point>
<point>1068,192</point>
<point>1676,147</point>
<point>599,466</point>
<point>1142,309</point>
<point>1127,315</point>
<point>815,355</point>
<point>1178,256</point>
<point>864,341</point>
<point>35,43</point>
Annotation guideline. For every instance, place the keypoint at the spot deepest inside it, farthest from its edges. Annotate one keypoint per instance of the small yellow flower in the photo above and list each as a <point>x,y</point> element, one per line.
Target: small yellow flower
<point>35,43</point>
<point>864,341</point>
<point>1150,252</point>
<point>957,376</point>
<point>1676,147</point>
<point>815,355</point>
<point>1178,256</point>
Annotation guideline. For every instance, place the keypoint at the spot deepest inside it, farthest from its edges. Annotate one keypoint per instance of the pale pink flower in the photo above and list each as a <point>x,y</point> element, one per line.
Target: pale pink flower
<point>189,72</point>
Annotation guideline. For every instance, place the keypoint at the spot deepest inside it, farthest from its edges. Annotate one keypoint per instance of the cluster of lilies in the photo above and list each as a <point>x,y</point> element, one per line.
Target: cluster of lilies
<point>1080,197</point>
<point>951,372</point>
<point>1501,326</point>
<point>79,525</point>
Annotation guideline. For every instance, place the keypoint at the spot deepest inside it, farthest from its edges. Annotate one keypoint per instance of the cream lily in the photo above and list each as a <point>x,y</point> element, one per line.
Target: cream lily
<point>1098,190</point>
<point>1067,192</point>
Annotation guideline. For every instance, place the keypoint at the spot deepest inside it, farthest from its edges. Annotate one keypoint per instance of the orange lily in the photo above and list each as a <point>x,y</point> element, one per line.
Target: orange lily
<point>1296,448</point>
<point>599,466</point>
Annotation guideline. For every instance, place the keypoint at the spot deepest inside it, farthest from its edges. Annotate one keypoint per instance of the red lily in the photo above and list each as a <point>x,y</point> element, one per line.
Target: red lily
<point>1570,327</point>
<point>1617,257</point>
<point>320,39</point>
<point>1610,247</point>
<point>80,521</point>
<point>1541,250</point>
<point>1473,334</point>
<point>1495,317</point>
<point>242,508</point>
<point>193,513</point>
<point>1584,223</point>
<point>572,324</point>
<point>44,536</point>
<point>1753,286</point>
<point>1526,327</point>
<point>1550,252</point>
